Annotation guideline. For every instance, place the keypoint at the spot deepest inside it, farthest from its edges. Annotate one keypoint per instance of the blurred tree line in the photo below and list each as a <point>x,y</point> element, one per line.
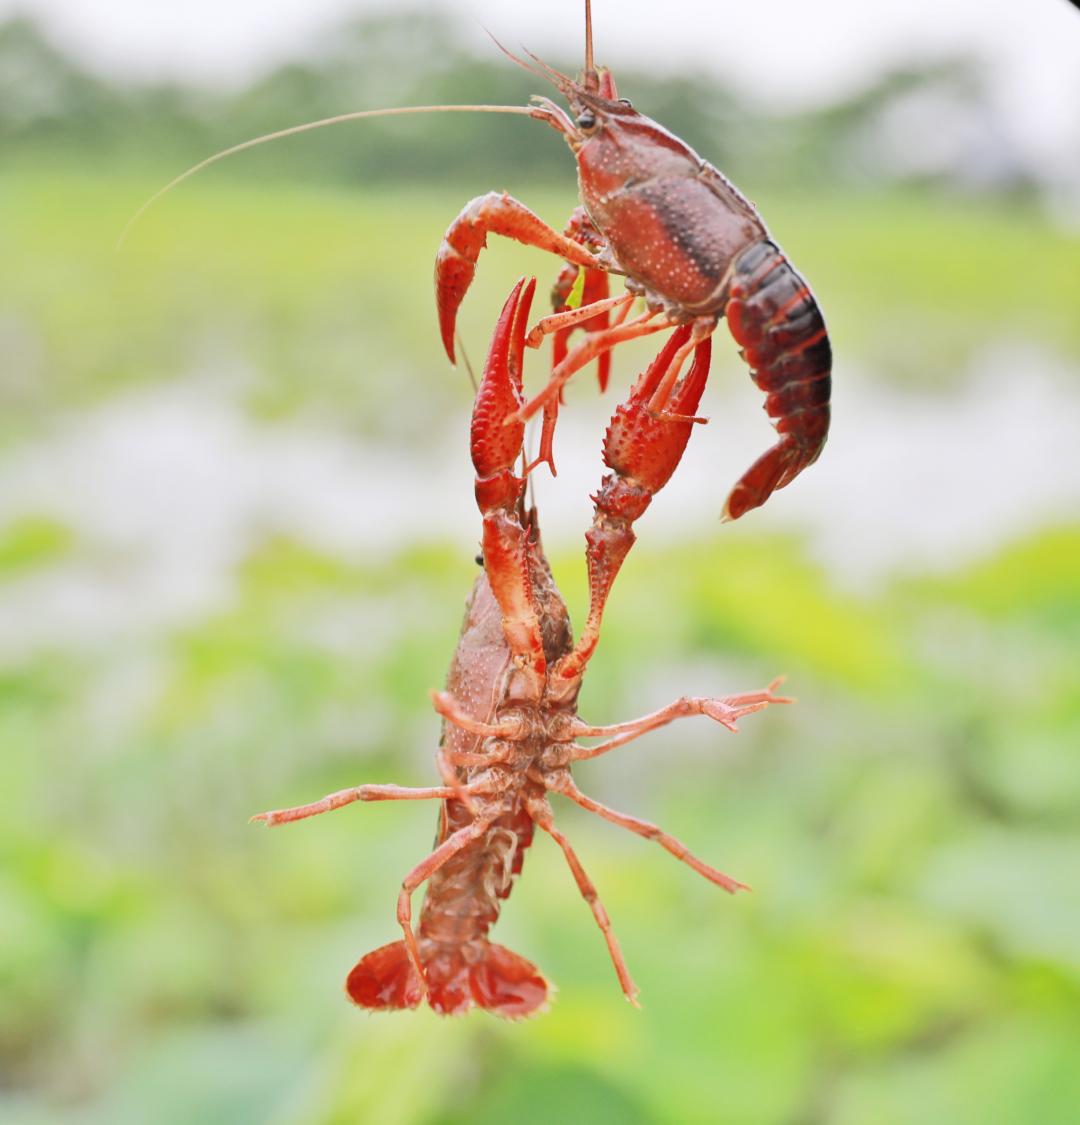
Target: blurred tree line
<point>933,123</point>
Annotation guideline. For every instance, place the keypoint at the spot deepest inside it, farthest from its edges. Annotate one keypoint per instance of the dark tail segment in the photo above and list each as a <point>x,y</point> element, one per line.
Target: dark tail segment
<point>479,974</point>
<point>774,317</point>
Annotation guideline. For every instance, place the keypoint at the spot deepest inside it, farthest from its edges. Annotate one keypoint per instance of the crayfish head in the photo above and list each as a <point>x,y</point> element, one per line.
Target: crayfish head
<point>594,107</point>
<point>592,97</point>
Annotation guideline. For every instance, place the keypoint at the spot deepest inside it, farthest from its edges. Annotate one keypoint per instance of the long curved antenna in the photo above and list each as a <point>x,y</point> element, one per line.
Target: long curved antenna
<point>468,365</point>
<point>306,128</point>
<point>556,77</point>
<point>512,57</point>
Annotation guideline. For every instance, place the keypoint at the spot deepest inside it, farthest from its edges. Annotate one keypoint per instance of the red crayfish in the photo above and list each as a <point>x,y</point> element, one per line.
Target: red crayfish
<point>687,241</point>
<point>509,710</point>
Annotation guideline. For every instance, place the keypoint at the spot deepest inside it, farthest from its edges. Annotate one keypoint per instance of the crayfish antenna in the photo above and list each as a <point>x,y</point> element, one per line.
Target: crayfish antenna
<point>307,127</point>
<point>555,77</point>
<point>460,343</point>
<point>590,67</point>
<point>561,82</point>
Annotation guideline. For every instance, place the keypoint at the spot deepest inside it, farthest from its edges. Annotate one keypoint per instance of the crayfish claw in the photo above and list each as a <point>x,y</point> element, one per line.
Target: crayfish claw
<point>455,263</point>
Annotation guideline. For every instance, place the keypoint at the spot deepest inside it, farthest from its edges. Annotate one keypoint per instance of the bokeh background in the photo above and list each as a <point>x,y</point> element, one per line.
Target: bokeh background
<point>237,531</point>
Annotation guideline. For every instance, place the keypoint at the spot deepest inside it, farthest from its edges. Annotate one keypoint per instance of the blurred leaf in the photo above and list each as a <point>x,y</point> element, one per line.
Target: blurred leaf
<point>1011,1073</point>
<point>31,543</point>
<point>1018,888</point>
<point>1039,576</point>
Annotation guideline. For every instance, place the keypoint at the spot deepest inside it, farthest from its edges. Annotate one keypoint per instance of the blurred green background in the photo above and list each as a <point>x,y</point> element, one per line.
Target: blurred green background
<point>236,536</point>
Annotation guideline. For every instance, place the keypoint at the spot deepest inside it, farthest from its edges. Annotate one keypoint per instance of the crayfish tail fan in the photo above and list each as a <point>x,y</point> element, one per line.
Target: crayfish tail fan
<point>508,985</point>
<point>385,978</point>
<point>458,978</point>
<point>478,974</point>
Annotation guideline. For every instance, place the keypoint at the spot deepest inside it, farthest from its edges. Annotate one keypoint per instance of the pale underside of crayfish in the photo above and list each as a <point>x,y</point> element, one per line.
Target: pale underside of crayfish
<point>510,723</point>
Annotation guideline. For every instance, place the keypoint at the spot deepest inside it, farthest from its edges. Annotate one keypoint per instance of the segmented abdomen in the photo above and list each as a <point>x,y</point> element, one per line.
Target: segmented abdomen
<point>774,317</point>
<point>464,896</point>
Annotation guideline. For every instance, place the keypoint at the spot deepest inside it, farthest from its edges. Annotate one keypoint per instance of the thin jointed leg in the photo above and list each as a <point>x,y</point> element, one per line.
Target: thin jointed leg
<point>452,780</point>
<point>594,344</point>
<point>541,814</point>
<point>475,757</point>
<point>461,839</point>
<point>360,793</point>
<point>679,850</point>
<point>726,711</point>
<point>554,322</point>
<point>447,706</point>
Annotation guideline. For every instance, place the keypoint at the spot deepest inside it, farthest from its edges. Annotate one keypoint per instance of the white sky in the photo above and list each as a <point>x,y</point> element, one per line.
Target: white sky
<point>780,50</point>
<point>791,45</point>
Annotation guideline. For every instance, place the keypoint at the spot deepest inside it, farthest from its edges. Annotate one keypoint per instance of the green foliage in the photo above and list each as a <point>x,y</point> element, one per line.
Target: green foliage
<point>905,938</point>
<point>31,543</point>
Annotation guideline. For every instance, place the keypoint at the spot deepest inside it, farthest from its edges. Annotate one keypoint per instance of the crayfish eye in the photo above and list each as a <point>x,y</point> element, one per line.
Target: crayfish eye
<point>586,121</point>
<point>626,102</point>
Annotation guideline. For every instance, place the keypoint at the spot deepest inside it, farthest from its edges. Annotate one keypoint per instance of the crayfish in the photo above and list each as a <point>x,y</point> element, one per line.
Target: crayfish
<point>687,241</point>
<point>509,710</point>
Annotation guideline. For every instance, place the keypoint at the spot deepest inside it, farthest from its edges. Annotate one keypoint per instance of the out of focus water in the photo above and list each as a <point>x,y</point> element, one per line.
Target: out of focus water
<point>168,488</point>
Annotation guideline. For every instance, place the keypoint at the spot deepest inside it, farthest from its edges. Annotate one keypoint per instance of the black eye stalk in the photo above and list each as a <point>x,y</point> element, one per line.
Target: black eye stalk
<point>586,121</point>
